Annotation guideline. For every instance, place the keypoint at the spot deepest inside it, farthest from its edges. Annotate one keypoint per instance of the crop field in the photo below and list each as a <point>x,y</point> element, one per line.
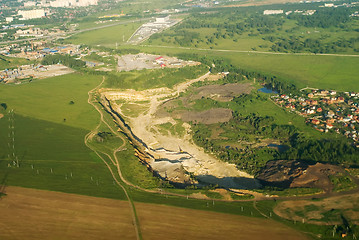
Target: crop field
<point>51,212</point>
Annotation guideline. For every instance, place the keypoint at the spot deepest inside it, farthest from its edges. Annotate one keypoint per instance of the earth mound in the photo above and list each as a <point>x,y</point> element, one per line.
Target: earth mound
<point>281,173</point>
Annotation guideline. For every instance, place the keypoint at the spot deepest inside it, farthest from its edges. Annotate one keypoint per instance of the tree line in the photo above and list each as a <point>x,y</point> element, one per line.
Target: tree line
<point>66,60</point>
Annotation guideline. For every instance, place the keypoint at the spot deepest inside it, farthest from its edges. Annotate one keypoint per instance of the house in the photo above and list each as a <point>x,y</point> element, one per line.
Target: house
<point>340,99</point>
<point>315,121</point>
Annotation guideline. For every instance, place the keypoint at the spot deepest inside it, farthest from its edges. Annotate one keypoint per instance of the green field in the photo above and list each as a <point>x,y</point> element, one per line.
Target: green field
<point>153,78</point>
<point>49,99</point>
<point>326,72</point>
<point>105,37</point>
<point>52,157</point>
<point>8,62</point>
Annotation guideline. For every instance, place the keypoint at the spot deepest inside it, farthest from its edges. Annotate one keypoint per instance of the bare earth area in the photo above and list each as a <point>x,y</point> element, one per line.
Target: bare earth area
<point>174,156</point>
<point>326,211</point>
<point>214,115</point>
<point>38,214</point>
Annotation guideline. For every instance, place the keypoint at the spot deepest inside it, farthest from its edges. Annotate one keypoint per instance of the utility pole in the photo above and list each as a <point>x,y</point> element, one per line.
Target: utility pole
<point>12,155</point>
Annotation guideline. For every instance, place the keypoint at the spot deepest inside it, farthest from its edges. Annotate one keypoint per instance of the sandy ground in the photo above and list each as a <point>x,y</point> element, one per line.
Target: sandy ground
<point>37,214</point>
<point>176,152</point>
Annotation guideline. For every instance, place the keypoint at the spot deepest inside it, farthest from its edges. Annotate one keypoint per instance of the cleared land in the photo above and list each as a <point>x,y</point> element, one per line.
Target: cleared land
<point>36,214</point>
<point>327,211</point>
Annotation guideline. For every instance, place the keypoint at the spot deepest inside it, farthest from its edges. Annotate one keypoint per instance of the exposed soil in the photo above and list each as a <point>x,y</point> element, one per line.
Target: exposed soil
<point>224,93</point>
<point>173,157</point>
<point>317,176</point>
<point>214,115</point>
<point>314,211</point>
<point>164,222</point>
<point>37,214</point>
<point>284,173</point>
<point>281,173</point>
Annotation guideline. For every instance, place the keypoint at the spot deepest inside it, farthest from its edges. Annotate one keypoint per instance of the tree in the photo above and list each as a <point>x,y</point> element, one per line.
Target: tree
<point>3,105</point>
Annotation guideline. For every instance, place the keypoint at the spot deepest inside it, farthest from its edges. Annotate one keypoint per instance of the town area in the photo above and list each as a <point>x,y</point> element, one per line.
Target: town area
<point>326,110</point>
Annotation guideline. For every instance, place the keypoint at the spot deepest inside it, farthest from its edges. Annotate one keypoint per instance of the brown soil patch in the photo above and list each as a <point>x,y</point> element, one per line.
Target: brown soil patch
<point>199,196</point>
<point>294,174</point>
<point>224,92</point>
<point>36,214</point>
<point>317,176</point>
<point>165,222</point>
<point>313,210</point>
<point>225,194</point>
<point>215,115</point>
<point>1,115</point>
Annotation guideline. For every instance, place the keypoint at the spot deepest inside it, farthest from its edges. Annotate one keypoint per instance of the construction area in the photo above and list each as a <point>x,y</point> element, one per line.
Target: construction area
<point>29,72</point>
<point>148,61</point>
<point>148,29</point>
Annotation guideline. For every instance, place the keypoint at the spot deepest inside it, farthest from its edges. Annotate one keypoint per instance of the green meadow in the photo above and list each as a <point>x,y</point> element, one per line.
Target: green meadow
<point>319,71</point>
<point>105,37</point>
<point>8,62</point>
<point>52,157</point>
<point>50,99</point>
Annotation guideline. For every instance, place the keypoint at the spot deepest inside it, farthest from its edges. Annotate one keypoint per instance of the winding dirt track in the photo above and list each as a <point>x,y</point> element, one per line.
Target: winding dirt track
<point>89,137</point>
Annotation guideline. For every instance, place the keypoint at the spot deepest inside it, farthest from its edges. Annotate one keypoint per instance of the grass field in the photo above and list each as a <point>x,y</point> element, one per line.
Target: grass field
<point>328,72</point>
<point>53,157</point>
<point>106,37</point>
<point>7,62</point>
<point>154,78</point>
<point>49,99</point>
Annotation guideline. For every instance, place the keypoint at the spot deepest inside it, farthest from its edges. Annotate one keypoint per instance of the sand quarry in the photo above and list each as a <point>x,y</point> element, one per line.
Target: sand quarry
<point>175,157</point>
<point>37,214</point>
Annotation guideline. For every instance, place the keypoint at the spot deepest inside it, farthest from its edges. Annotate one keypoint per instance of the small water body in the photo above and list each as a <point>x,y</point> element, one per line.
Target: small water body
<point>267,90</point>
<point>281,148</point>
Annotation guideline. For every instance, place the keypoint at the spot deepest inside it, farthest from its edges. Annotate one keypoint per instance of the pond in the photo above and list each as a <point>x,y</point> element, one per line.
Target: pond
<point>281,148</point>
<point>267,90</point>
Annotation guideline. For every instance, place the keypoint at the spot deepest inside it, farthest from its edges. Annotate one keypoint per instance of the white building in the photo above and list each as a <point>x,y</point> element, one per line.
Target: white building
<point>328,4</point>
<point>31,14</point>
<point>9,19</point>
<point>270,12</point>
<point>162,19</point>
